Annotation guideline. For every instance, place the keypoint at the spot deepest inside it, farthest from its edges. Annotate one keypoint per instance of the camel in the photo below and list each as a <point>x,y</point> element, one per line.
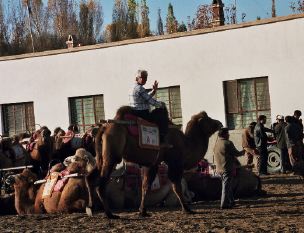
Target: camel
<point>123,190</point>
<point>66,145</point>
<point>114,143</point>
<point>245,183</point>
<point>73,197</point>
<point>40,150</point>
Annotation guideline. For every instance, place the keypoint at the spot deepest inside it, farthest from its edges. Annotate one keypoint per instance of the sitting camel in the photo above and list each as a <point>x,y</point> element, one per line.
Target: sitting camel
<point>124,188</point>
<point>71,197</point>
<point>209,187</point>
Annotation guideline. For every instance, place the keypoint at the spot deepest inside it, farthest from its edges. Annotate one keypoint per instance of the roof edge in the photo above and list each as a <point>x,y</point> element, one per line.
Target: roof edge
<point>154,38</point>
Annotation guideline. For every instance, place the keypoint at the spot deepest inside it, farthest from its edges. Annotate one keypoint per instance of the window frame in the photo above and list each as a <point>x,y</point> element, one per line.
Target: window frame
<point>241,111</point>
<point>83,127</point>
<point>26,117</point>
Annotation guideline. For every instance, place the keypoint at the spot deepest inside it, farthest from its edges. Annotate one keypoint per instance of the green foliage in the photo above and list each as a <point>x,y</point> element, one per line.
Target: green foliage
<point>182,27</point>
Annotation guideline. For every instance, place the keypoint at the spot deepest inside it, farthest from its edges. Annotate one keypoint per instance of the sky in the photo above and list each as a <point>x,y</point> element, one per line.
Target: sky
<point>184,8</point>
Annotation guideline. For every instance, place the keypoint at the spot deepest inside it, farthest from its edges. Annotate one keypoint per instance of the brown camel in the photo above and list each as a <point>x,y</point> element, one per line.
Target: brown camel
<point>113,142</point>
<point>245,184</point>
<point>74,196</point>
<point>41,150</point>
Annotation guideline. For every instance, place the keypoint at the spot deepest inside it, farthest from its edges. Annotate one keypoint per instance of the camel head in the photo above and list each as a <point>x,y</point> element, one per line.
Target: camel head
<point>202,125</point>
<point>22,181</point>
<point>82,159</point>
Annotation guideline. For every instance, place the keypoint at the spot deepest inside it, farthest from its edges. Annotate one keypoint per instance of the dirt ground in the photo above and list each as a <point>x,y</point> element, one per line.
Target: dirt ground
<point>281,210</point>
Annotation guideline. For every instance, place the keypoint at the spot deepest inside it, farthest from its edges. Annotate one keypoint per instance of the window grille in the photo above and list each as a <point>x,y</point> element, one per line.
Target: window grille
<point>86,111</point>
<point>18,118</point>
<point>171,96</point>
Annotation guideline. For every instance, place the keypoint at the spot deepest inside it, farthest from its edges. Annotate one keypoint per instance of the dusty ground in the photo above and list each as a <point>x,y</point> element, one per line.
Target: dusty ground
<point>282,210</point>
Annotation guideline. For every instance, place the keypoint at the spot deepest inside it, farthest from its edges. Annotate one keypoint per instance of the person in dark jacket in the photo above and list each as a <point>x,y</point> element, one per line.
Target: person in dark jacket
<point>279,133</point>
<point>225,155</point>
<point>260,139</point>
<point>293,134</point>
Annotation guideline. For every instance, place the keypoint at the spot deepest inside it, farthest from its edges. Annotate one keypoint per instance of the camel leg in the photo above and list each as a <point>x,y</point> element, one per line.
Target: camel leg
<point>106,170</point>
<point>175,173</point>
<point>149,175</point>
<point>90,203</point>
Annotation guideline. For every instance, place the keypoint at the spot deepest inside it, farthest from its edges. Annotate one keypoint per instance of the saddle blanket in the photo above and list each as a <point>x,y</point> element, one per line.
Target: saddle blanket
<point>55,183</point>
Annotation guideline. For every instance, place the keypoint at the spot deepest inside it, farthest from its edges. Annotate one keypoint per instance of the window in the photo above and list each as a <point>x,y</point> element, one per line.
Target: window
<point>171,96</point>
<point>86,111</point>
<point>245,100</point>
<point>18,118</point>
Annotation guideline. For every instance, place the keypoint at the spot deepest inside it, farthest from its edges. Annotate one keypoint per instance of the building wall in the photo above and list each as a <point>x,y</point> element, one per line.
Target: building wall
<point>198,63</point>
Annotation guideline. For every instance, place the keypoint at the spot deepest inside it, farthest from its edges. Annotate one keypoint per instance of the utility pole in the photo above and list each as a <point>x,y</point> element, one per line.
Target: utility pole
<point>273,10</point>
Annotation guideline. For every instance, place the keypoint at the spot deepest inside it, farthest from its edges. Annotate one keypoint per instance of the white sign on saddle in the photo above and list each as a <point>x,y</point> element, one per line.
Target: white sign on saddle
<point>148,135</point>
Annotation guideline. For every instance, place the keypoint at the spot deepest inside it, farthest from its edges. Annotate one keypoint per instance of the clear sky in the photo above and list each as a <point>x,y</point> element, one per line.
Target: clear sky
<point>184,8</point>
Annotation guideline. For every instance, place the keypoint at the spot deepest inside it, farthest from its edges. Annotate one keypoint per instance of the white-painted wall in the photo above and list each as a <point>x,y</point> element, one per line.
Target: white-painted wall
<point>199,64</point>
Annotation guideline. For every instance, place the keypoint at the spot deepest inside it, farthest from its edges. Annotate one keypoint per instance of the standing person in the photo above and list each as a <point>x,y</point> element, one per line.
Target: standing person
<point>296,117</point>
<point>225,155</point>
<point>248,145</point>
<point>279,133</point>
<point>140,99</point>
<point>260,139</point>
<point>293,136</point>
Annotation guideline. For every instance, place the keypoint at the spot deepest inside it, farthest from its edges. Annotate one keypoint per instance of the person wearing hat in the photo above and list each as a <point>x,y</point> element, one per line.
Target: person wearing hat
<point>279,133</point>
<point>225,155</point>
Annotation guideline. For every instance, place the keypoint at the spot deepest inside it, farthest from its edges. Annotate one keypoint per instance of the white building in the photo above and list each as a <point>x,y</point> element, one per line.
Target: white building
<point>83,84</point>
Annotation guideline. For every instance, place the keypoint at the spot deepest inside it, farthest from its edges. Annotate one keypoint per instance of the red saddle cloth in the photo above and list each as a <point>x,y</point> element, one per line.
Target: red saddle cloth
<point>62,181</point>
<point>133,129</point>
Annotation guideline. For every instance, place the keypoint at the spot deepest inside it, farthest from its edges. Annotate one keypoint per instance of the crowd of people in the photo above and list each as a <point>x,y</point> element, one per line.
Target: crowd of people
<point>288,133</point>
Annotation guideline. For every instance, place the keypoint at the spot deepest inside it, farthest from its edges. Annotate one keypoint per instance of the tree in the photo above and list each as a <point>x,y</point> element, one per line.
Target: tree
<point>4,40</point>
<point>85,25</point>
<point>182,27</point>
<point>119,21</point>
<point>204,16</point>
<point>160,25</point>
<point>171,23</point>
<point>273,10</point>
<point>230,14</point>
<point>132,21</point>
<point>144,27</point>
<point>297,6</point>
<point>95,9</point>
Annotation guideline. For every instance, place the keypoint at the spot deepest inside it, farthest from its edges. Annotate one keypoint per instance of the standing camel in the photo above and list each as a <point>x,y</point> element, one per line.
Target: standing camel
<point>114,143</point>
